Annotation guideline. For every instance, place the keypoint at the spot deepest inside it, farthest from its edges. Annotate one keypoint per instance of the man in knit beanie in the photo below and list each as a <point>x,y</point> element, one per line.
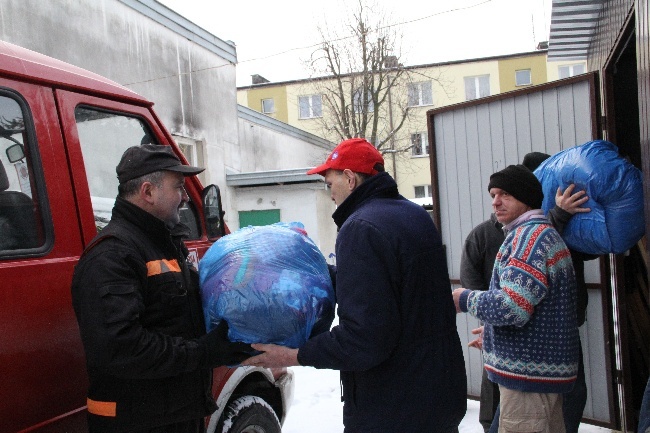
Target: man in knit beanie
<point>530,339</point>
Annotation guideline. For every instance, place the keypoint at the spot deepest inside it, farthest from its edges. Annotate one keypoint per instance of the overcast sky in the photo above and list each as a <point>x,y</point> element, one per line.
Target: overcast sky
<point>273,38</point>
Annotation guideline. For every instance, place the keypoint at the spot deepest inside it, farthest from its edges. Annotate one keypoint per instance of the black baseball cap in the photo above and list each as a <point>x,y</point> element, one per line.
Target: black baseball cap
<point>147,158</point>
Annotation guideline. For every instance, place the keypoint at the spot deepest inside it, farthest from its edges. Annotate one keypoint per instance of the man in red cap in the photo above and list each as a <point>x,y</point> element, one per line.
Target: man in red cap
<point>396,343</point>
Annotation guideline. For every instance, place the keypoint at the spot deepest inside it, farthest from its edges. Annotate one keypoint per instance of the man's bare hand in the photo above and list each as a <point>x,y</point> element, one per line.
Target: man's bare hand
<point>570,201</point>
<point>273,356</point>
<point>477,343</point>
<point>456,296</point>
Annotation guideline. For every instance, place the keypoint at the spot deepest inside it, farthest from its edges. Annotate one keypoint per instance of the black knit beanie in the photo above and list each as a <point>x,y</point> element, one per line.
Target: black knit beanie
<point>532,160</point>
<point>519,182</point>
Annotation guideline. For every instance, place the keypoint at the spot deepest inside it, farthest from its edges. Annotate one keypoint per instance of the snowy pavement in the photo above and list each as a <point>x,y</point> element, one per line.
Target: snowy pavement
<point>317,406</point>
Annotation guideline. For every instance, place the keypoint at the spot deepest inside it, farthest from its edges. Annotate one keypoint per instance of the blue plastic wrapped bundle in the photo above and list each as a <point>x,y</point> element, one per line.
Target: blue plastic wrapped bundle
<point>615,190</point>
<point>270,283</point>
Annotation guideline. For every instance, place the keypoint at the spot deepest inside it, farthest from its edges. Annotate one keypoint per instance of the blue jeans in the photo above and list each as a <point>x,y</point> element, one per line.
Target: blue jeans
<point>573,403</point>
<point>644,416</point>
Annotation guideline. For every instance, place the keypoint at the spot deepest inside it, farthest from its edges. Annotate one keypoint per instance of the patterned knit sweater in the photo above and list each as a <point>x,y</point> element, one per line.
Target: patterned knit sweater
<point>530,340</point>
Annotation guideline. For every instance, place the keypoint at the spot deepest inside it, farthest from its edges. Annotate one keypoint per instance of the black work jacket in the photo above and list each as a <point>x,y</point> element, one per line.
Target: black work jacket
<point>139,312</point>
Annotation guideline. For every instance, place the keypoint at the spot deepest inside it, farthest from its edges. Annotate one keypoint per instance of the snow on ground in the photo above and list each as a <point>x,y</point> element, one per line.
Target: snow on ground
<point>317,406</point>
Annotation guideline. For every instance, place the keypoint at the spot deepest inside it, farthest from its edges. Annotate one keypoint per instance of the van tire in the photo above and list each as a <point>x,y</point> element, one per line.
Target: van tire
<point>249,414</point>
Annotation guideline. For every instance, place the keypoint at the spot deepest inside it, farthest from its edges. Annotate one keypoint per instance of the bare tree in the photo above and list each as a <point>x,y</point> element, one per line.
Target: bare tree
<point>363,84</point>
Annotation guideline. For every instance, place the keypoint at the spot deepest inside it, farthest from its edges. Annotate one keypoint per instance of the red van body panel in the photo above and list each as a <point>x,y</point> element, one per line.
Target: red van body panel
<point>43,378</point>
<point>32,66</point>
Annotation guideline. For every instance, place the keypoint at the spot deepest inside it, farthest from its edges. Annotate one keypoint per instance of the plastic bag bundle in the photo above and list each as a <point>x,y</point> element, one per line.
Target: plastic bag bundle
<point>270,283</point>
<point>615,190</point>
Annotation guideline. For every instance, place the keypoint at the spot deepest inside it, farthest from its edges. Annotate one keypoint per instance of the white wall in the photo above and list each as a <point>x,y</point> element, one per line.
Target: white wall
<point>266,147</point>
<point>308,203</point>
<point>190,76</point>
<point>187,72</point>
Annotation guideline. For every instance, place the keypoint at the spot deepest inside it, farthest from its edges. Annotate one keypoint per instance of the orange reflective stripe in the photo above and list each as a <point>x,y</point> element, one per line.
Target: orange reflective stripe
<point>102,408</point>
<point>157,267</point>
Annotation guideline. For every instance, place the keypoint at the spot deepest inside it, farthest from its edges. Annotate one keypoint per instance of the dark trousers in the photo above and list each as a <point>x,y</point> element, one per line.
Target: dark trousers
<point>489,402</point>
<point>573,403</point>
<point>644,416</point>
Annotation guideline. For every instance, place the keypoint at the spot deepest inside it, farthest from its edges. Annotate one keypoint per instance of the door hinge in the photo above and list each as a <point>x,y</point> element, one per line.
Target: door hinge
<point>618,376</point>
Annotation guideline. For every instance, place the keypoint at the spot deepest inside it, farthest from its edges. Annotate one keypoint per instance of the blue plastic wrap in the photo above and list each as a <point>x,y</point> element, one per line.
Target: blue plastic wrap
<point>615,189</point>
<point>270,283</point>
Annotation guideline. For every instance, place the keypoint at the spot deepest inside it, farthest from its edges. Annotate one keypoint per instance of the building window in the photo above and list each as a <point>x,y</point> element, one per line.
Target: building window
<point>310,106</point>
<point>268,106</point>
<point>420,144</point>
<point>422,191</point>
<point>420,94</point>
<point>522,77</point>
<point>192,149</point>
<point>358,101</point>
<point>477,87</point>
<point>567,71</point>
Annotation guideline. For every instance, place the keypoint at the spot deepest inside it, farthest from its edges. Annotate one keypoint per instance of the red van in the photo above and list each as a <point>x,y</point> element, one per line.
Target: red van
<point>62,132</point>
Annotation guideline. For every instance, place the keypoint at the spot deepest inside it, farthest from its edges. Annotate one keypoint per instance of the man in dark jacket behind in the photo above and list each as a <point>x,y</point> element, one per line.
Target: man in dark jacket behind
<point>396,343</point>
<point>136,299</point>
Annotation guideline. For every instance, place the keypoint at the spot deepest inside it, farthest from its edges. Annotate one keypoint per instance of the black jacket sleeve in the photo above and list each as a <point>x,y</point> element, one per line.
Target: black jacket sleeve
<point>109,305</point>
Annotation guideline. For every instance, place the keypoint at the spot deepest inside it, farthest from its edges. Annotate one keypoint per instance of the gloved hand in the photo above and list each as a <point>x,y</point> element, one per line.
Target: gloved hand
<point>220,350</point>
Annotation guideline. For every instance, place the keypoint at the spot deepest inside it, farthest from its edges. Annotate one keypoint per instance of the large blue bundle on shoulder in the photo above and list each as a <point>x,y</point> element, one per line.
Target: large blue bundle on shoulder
<point>270,283</point>
<point>615,190</point>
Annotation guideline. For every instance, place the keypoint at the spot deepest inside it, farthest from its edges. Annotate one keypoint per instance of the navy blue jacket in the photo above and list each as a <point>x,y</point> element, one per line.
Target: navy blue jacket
<point>396,344</point>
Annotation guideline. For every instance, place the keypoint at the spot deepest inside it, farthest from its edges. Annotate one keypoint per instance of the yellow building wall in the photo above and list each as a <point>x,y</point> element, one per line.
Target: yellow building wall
<point>411,171</point>
<point>278,93</point>
<point>294,92</point>
<point>508,67</point>
<point>553,68</point>
<point>242,98</point>
<point>448,88</point>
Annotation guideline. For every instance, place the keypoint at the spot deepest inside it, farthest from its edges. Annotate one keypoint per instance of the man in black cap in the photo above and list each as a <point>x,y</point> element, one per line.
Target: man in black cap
<point>530,341</point>
<point>137,303</point>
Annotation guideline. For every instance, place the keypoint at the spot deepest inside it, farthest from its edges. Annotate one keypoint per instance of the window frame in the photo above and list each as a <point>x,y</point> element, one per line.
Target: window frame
<point>427,190</point>
<point>571,70</point>
<point>530,77</point>
<point>310,106</point>
<point>356,97</point>
<point>149,129</point>
<point>417,90</point>
<point>193,150</point>
<point>272,108</point>
<point>37,181</point>
<point>477,87</point>
<point>422,145</point>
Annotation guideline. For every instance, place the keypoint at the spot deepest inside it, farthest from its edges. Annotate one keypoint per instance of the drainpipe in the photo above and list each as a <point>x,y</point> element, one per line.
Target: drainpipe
<point>392,150</point>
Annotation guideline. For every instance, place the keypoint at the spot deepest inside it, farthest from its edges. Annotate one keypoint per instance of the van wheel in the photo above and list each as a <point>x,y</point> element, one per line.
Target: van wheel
<point>249,414</point>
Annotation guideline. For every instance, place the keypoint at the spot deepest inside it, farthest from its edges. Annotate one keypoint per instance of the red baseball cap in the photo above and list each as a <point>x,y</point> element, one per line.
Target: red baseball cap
<point>355,154</point>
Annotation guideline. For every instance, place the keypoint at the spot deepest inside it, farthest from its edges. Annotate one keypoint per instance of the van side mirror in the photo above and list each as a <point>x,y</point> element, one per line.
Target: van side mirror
<point>212,212</point>
<point>15,152</point>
